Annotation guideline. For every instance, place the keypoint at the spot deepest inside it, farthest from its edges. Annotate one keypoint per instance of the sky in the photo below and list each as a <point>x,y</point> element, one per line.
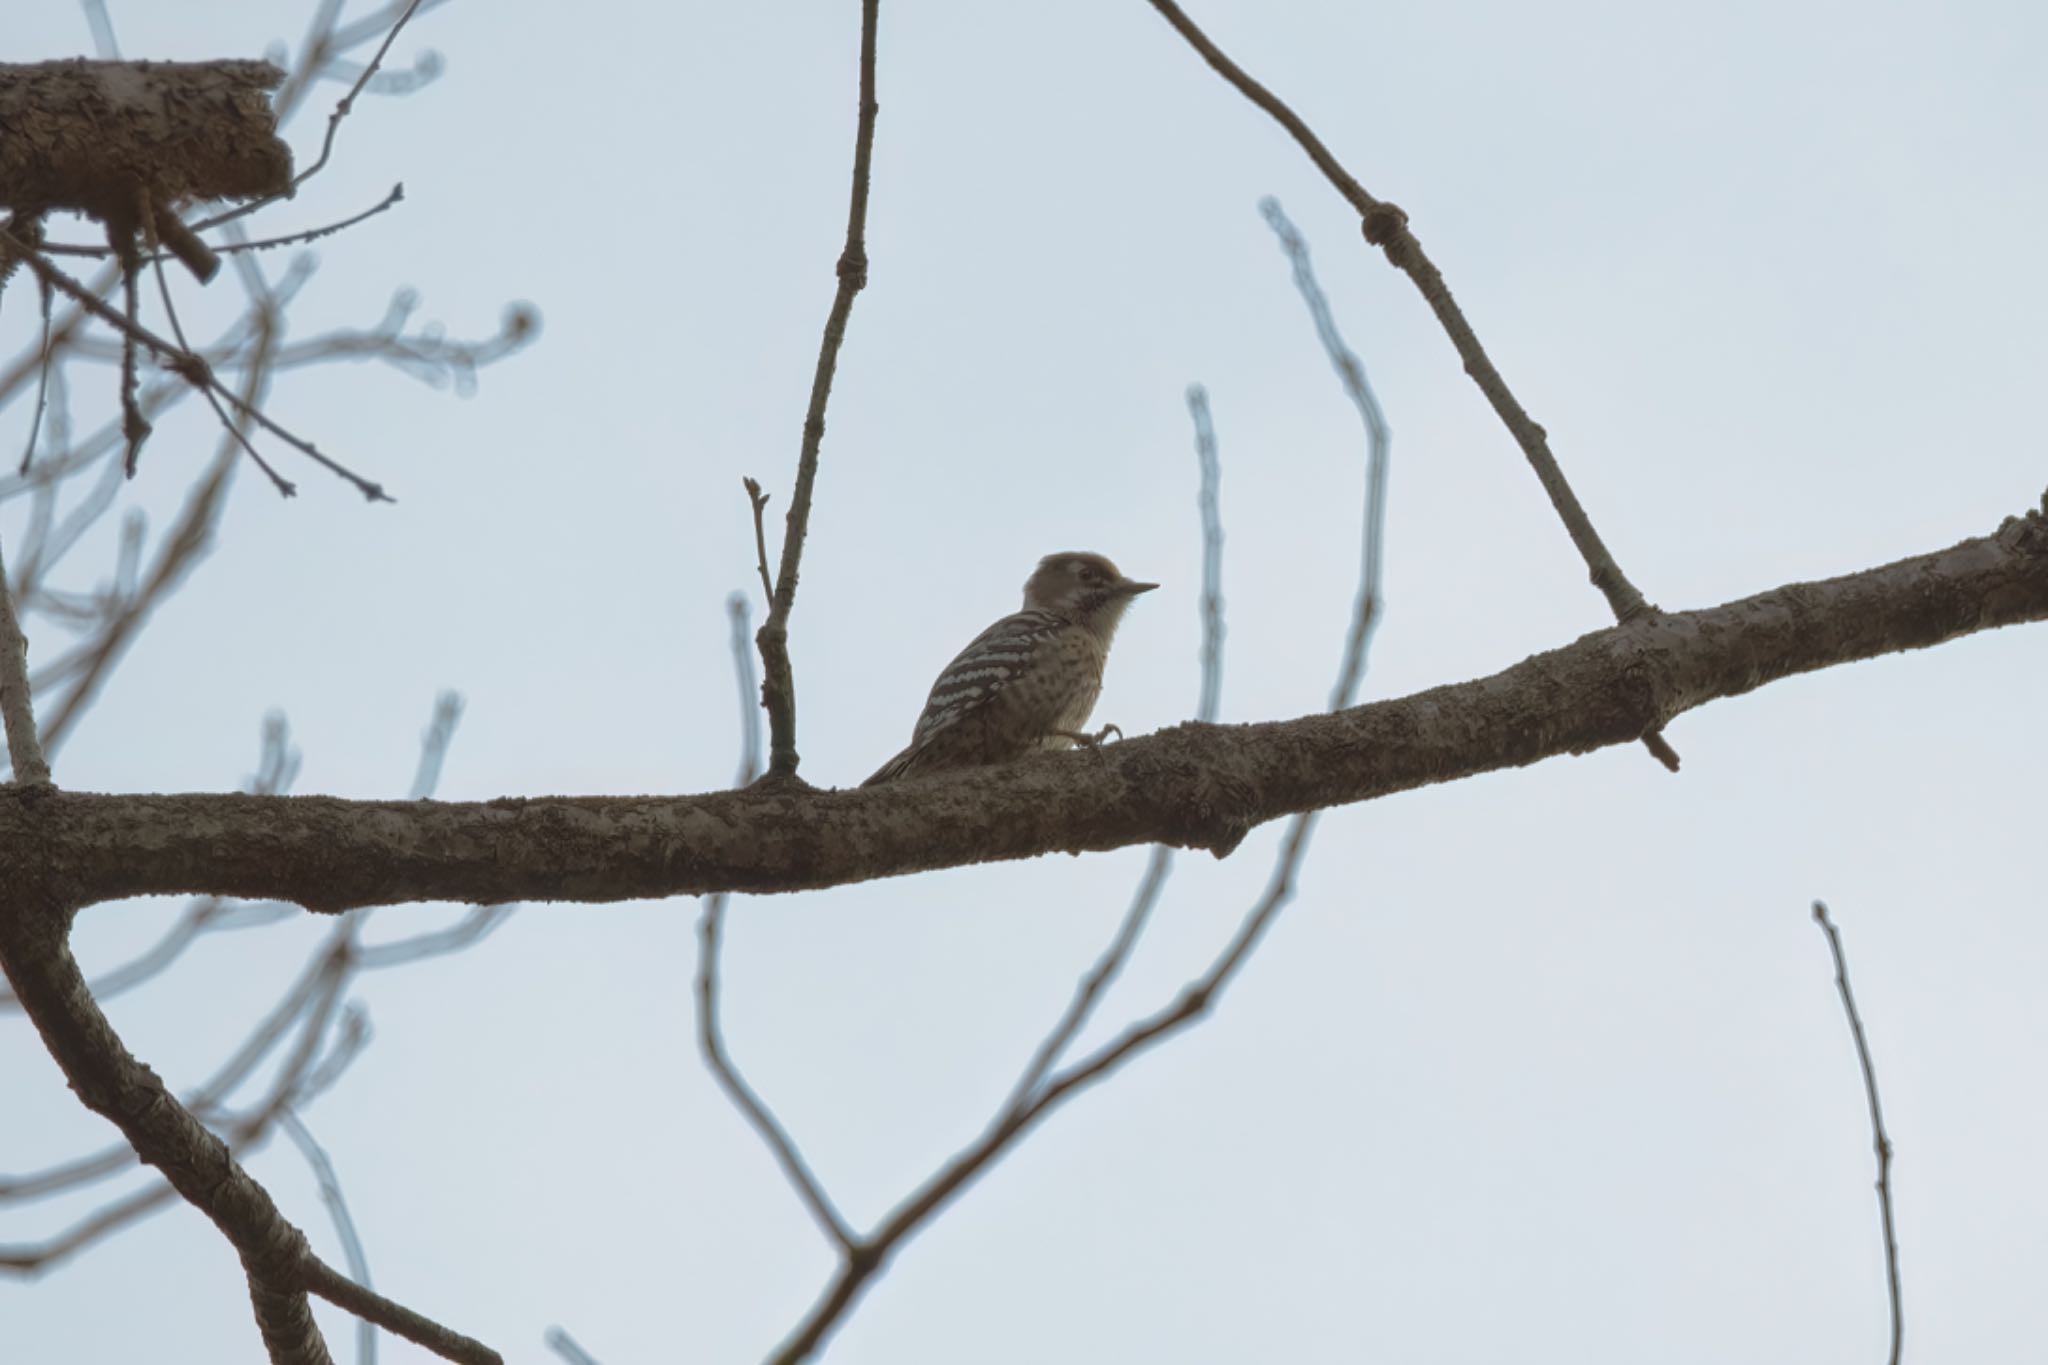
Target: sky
<point>1544,1065</point>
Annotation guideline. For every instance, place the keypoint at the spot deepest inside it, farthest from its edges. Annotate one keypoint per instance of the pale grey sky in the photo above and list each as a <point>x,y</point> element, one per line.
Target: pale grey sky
<point>1546,1065</point>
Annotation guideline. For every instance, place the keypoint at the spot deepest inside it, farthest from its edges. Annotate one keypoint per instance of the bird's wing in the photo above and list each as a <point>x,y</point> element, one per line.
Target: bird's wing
<point>992,659</point>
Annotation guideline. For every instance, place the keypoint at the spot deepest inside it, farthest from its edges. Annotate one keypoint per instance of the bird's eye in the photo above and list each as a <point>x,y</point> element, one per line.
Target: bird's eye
<point>1090,574</point>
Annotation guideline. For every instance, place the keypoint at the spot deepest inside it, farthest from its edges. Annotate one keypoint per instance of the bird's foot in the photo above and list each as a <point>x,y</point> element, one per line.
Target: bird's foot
<point>1087,741</point>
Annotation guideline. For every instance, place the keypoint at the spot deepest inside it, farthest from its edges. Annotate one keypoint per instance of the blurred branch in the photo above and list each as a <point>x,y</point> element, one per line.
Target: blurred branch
<point>1379,439</point>
<point>779,686</point>
<point>1207,502</point>
<point>434,741</point>
<point>562,1344</point>
<point>1034,1097</point>
<point>710,1035</point>
<point>1879,1141</point>
<point>344,1226</point>
<point>1088,994</point>
<point>321,1036</point>
<point>91,136</point>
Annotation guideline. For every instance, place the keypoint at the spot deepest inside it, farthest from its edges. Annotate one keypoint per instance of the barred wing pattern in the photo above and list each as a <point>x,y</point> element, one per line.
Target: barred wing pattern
<point>1023,678</point>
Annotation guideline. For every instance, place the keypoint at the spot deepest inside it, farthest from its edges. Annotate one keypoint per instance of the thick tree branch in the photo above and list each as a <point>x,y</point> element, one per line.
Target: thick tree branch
<point>1194,785</point>
<point>85,135</point>
<point>112,1083</point>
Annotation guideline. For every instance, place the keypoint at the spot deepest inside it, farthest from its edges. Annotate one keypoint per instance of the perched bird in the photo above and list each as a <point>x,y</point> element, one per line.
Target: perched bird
<point>1029,681</point>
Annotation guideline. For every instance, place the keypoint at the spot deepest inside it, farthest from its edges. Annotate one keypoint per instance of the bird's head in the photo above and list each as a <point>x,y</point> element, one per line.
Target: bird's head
<point>1084,587</point>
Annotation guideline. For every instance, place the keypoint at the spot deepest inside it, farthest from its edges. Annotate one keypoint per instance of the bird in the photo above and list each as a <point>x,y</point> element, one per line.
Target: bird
<point>1029,681</point>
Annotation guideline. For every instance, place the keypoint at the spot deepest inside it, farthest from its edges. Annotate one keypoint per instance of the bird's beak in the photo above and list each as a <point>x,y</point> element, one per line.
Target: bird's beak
<point>1130,587</point>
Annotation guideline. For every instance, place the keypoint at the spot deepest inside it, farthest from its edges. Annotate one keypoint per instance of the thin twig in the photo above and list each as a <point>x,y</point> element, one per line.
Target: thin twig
<point>330,1284</point>
<point>1878,1139</point>
<point>759,500</point>
<point>46,295</point>
<point>711,1042</point>
<point>562,1344</point>
<point>341,111</point>
<point>195,371</point>
<point>779,686</point>
<point>1386,227</point>
<point>284,486</point>
<point>1207,502</point>
<point>1196,1000</point>
<point>1379,436</point>
<point>17,710</point>
<point>103,40</point>
<point>1088,994</point>
<point>750,695</point>
<point>134,426</point>
<point>434,742</point>
<point>344,1225</point>
<point>165,226</point>
<point>710,928</point>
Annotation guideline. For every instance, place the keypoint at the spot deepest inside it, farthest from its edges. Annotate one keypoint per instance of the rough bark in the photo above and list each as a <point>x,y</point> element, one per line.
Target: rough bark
<point>1199,786</point>
<point>85,135</point>
<point>112,1083</point>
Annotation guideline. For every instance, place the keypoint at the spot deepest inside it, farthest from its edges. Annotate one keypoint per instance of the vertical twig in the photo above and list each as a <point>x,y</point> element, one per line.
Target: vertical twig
<point>759,501</point>
<point>344,1225</point>
<point>24,749</point>
<point>710,936</point>
<point>1378,435</point>
<point>1879,1140</point>
<point>1207,501</point>
<point>779,686</point>
<point>1110,965</point>
<point>865,1258</point>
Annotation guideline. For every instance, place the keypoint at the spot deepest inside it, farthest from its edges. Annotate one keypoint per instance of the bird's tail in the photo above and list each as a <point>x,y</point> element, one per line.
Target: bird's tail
<point>893,769</point>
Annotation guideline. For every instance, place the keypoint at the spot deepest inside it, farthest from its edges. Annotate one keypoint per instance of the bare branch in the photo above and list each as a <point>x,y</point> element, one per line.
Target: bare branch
<point>1386,227</point>
<point>1379,438</point>
<point>344,1225</point>
<point>110,1082</point>
<point>710,1035</point>
<point>194,370</point>
<point>331,1285</point>
<point>24,749</point>
<point>562,1344</point>
<point>1033,1099</point>
<point>711,1042</point>
<point>327,44</point>
<point>434,742</point>
<point>1209,504</point>
<point>1192,786</point>
<point>779,686</point>
<point>759,501</point>
<point>1879,1141</point>
<point>1107,967</point>
<point>86,135</point>
<point>103,41</point>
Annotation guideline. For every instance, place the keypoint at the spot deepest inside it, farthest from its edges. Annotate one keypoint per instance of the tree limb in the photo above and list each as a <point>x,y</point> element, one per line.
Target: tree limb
<point>83,135</point>
<point>1193,785</point>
